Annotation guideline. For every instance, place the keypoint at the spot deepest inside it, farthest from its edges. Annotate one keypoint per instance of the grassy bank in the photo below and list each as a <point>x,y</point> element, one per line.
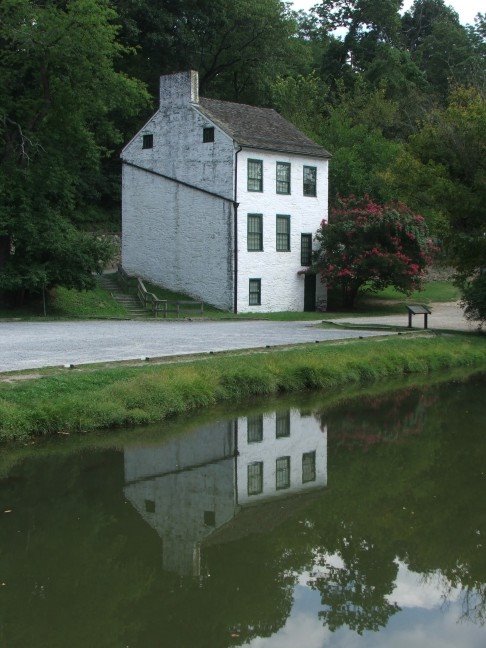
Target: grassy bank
<point>99,304</point>
<point>69,304</point>
<point>84,400</point>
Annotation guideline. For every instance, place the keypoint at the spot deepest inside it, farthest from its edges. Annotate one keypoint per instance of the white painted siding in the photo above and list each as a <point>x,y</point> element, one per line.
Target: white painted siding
<point>281,287</point>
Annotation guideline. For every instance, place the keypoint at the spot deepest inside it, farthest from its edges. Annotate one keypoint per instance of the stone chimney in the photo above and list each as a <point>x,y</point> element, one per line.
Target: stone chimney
<point>179,88</point>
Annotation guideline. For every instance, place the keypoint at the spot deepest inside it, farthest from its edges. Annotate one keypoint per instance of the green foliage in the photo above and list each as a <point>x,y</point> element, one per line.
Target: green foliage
<point>234,44</point>
<point>474,297</point>
<point>97,399</point>
<point>59,91</point>
<point>369,245</point>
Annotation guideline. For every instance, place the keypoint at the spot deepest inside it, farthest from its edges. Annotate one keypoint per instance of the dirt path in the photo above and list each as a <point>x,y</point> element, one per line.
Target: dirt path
<point>445,316</point>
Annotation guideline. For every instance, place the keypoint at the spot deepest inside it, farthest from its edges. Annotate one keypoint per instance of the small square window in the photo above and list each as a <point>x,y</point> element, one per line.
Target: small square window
<point>148,141</point>
<point>255,175</point>
<point>283,473</point>
<point>209,518</point>
<point>255,292</point>
<point>282,424</point>
<point>255,428</point>
<point>283,233</point>
<point>305,249</point>
<point>208,134</point>
<point>255,233</point>
<point>310,176</point>
<point>255,478</point>
<point>283,177</point>
<point>150,506</point>
<point>308,467</point>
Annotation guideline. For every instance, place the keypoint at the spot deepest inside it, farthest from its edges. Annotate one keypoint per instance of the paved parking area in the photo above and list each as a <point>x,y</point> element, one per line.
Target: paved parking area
<point>32,345</point>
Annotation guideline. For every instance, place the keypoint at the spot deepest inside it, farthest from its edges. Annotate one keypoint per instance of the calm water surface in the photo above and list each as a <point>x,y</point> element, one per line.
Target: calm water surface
<point>305,525</point>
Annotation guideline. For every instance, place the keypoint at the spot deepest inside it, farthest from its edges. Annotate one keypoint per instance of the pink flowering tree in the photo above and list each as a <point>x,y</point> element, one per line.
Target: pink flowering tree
<point>370,246</point>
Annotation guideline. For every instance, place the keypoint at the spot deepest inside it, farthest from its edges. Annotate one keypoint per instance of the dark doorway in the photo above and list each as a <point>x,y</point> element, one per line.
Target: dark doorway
<point>310,292</point>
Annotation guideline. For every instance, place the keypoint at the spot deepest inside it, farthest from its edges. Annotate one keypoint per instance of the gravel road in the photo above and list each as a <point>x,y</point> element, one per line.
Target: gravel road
<point>30,345</point>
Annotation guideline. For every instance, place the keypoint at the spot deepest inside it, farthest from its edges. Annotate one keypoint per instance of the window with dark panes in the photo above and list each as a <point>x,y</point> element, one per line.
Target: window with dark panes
<point>255,478</point>
<point>209,518</point>
<point>283,473</point>
<point>255,175</point>
<point>148,141</point>
<point>282,424</point>
<point>308,467</point>
<point>255,233</point>
<point>283,233</point>
<point>310,180</point>
<point>255,428</point>
<point>305,249</point>
<point>150,506</point>
<point>283,177</point>
<point>255,292</point>
<point>208,134</point>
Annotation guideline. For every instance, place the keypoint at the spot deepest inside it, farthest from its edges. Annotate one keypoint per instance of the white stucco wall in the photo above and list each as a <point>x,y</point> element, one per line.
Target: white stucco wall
<point>173,235</point>
<point>178,148</point>
<point>177,237</point>
<point>183,239</point>
<point>281,287</point>
<point>306,435</point>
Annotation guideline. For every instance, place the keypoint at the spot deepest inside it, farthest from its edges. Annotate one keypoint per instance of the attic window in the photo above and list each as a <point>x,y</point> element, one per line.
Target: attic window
<point>208,134</point>
<point>148,141</point>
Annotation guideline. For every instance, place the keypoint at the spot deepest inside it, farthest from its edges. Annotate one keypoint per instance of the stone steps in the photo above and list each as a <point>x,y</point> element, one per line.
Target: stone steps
<point>130,302</point>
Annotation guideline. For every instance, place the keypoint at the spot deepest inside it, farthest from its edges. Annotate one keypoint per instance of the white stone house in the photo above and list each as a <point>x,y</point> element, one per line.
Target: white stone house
<point>222,200</point>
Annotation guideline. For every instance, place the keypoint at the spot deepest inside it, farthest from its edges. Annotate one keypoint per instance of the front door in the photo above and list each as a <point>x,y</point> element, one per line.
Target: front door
<point>310,292</point>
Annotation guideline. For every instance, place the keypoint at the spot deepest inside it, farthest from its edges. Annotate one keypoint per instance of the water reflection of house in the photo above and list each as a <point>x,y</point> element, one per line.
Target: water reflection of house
<point>189,486</point>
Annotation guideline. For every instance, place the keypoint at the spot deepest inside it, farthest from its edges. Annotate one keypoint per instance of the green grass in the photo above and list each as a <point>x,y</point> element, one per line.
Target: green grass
<point>92,399</point>
<point>434,291</point>
<point>98,304</point>
<point>71,304</point>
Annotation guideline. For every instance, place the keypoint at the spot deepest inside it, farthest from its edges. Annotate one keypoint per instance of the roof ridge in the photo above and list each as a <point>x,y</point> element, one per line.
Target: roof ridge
<point>238,103</point>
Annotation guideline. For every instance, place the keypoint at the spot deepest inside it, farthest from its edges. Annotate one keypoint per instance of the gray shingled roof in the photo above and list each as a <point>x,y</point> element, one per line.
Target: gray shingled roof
<point>261,128</point>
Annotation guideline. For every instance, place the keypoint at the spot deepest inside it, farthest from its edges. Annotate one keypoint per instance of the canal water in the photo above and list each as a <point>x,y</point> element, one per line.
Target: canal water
<point>353,521</point>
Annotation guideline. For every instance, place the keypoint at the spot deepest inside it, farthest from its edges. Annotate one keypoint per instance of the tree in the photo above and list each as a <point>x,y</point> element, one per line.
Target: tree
<point>443,48</point>
<point>236,45</point>
<point>365,244</point>
<point>59,93</point>
<point>446,172</point>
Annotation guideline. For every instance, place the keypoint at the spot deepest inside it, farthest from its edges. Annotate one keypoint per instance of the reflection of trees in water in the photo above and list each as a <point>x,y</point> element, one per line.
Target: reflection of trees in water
<point>370,420</point>
<point>420,502</point>
<point>354,591</point>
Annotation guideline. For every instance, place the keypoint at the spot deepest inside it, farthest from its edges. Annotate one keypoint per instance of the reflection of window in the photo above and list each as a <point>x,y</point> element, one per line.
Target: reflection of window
<point>255,478</point>
<point>283,178</point>
<point>283,233</point>
<point>310,174</point>
<point>209,518</point>
<point>282,424</point>
<point>255,428</point>
<point>283,473</point>
<point>150,506</point>
<point>255,233</point>
<point>308,467</point>
<point>255,175</point>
